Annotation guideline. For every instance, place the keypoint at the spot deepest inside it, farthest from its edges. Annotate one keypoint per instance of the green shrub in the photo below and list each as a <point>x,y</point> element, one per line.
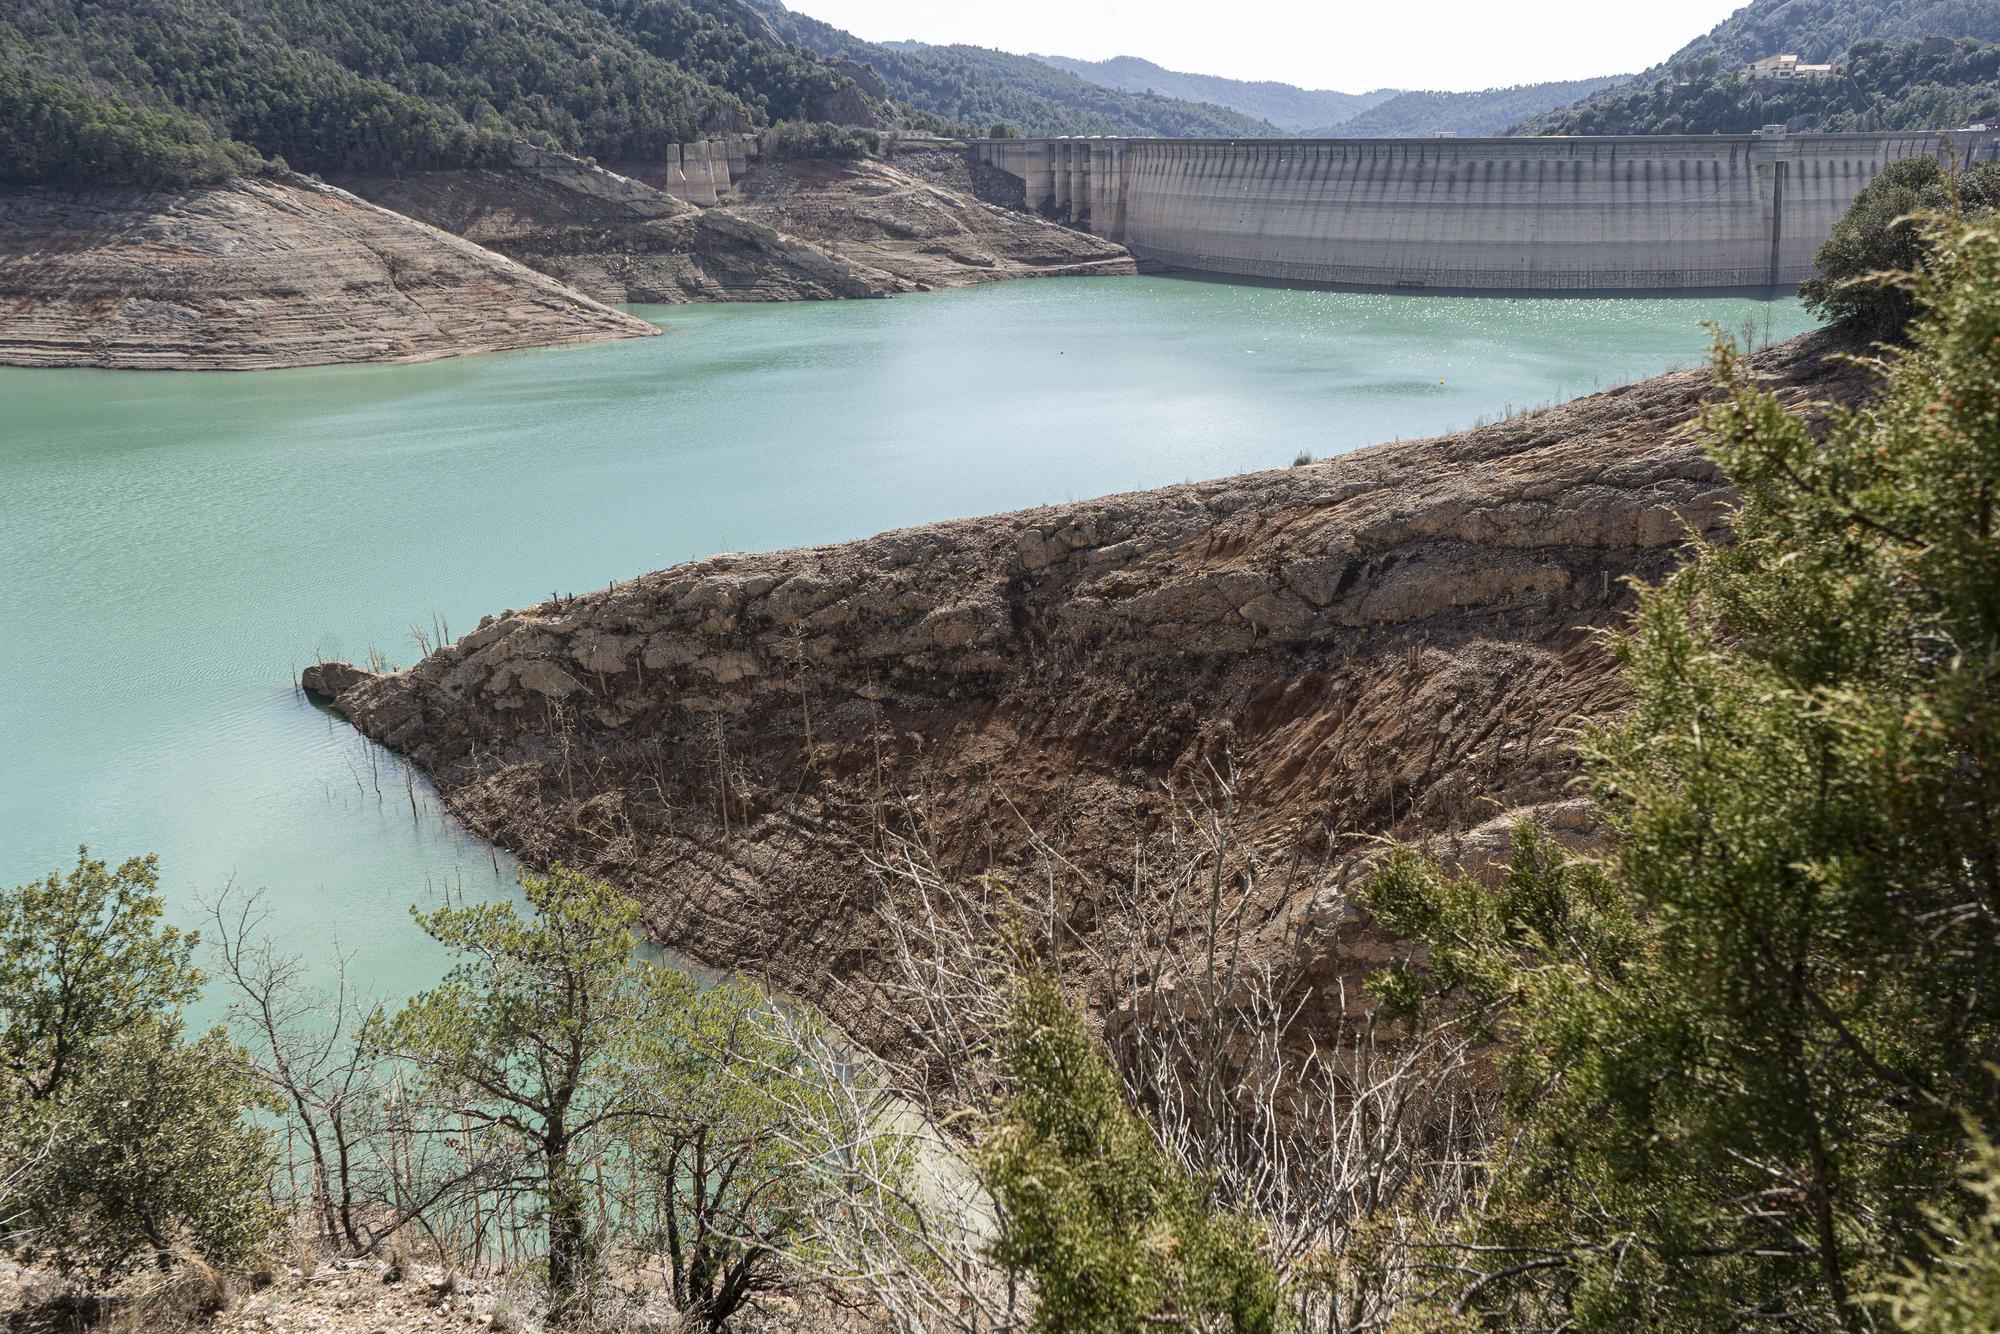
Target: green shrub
<point>1882,234</point>
<point>150,1158</point>
<point>795,140</point>
<point>1956,1290</point>
<point>130,1144</point>
<point>1740,1050</point>
<point>1115,1236</point>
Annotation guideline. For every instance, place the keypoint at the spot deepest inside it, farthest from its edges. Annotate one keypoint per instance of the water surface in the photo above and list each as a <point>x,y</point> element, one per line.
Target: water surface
<point>174,546</point>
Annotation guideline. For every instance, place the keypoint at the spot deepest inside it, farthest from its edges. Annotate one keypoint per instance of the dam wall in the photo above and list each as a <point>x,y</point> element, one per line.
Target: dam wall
<point>1528,214</point>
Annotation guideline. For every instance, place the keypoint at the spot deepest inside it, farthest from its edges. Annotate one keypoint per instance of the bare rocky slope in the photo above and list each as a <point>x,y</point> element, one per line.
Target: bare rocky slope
<point>1394,642</point>
<point>271,273</point>
<point>792,231</point>
<point>261,274</point>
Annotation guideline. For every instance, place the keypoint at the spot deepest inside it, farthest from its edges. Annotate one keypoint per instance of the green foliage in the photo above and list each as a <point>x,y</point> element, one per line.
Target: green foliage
<point>133,1141</point>
<point>1957,1288</point>
<point>382,85</point>
<point>730,1160</point>
<point>1739,1052</point>
<point>792,140</point>
<point>1883,234</point>
<point>149,1154</point>
<point>53,132</point>
<point>1116,1237</point>
<point>535,1039</point>
<point>83,957</point>
<point>1820,30</point>
<point>576,1061</point>
<point>1912,86</point>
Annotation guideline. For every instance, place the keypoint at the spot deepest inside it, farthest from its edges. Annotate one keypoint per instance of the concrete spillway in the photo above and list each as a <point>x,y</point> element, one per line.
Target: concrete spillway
<point>1693,211</point>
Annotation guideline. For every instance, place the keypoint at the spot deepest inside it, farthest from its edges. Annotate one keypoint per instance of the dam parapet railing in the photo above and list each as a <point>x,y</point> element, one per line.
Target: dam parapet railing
<point>1505,215</point>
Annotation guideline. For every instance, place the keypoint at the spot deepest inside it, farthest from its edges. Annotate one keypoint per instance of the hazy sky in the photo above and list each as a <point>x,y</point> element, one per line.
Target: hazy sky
<point>1352,45</point>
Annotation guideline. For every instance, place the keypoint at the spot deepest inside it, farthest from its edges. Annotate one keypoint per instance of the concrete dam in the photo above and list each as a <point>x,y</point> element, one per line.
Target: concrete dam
<point>1504,215</point>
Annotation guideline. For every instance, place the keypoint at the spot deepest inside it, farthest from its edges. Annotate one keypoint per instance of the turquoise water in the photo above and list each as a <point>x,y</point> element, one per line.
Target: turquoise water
<point>174,546</point>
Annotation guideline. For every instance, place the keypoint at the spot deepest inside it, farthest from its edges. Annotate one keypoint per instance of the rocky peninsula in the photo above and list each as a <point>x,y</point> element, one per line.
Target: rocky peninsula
<point>1395,642</point>
<point>259,274</point>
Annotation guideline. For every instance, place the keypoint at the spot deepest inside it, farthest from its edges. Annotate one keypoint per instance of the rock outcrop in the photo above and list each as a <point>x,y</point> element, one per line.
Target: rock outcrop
<point>796,231</point>
<point>1395,642</point>
<point>261,274</point>
<point>931,218</point>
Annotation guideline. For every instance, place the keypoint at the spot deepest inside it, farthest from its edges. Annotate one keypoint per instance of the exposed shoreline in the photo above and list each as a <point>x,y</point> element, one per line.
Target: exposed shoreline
<point>261,275</point>
<point>289,272</point>
<point>1390,643</point>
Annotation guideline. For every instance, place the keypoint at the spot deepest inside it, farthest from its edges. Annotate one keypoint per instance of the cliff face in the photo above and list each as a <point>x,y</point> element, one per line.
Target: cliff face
<point>262,274</point>
<point>1392,642</point>
<point>790,232</point>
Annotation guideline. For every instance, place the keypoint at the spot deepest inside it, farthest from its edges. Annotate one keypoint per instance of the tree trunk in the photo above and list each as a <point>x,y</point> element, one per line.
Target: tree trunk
<point>569,1233</point>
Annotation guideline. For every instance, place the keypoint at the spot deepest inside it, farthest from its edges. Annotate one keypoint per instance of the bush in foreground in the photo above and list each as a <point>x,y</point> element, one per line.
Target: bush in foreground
<point>1742,1051</point>
<point>1116,1236</point>
<point>125,1142</point>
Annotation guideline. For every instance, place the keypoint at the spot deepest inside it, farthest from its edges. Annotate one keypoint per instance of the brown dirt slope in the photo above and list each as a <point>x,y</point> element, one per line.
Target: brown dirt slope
<point>362,1296</point>
<point>927,219</point>
<point>1392,642</point>
<point>800,231</point>
<point>261,274</point>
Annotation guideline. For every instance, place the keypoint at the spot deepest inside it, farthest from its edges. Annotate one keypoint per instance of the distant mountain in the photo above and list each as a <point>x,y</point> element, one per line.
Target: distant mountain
<point>1818,31</point>
<point>969,89</point>
<point>1933,84</point>
<point>1419,115</point>
<point>1290,108</point>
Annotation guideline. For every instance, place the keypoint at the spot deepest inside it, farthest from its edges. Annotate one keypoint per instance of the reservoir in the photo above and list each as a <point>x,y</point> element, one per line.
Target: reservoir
<point>174,546</point>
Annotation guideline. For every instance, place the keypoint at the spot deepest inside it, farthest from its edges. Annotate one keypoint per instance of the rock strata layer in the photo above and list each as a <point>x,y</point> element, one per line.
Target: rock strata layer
<point>798,231</point>
<point>262,274</point>
<point>1395,642</point>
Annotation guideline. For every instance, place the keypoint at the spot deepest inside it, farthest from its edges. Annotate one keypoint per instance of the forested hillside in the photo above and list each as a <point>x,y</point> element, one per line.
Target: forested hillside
<point>185,90</point>
<point>1889,83</point>
<point>1879,87</point>
<point>1488,111</point>
<point>1818,31</point>
<point>969,89</point>
<point>1286,106</point>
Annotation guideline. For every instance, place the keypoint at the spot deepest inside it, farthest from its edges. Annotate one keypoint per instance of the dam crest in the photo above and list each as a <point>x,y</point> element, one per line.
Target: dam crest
<point>1501,215</point>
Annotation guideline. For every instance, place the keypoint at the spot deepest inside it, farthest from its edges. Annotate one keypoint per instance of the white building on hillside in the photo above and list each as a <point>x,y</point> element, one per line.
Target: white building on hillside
<point>1785,67</point>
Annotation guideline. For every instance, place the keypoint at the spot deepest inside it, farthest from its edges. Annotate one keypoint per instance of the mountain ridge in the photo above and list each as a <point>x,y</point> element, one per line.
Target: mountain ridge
<point>1489,111</point>
<point>964,89</point>
<point>1288,106</point>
